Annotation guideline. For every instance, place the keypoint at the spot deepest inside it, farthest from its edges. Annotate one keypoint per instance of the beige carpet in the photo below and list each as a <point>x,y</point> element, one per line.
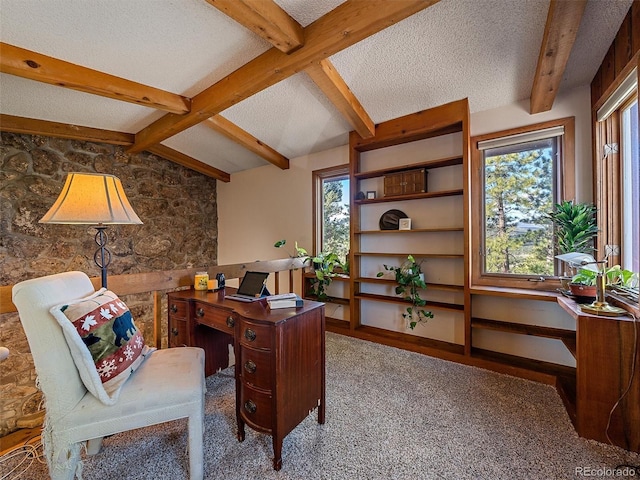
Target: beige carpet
<point>391,414</point>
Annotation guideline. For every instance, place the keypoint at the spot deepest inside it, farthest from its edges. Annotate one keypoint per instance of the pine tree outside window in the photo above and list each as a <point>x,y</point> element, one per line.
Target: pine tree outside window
<point>331,211</point>
<point>518,175</point>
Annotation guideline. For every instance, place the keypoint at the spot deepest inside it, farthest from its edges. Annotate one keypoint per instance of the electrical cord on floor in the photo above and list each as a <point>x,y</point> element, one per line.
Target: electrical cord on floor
<point>20,458</point>
<point>634,356</point>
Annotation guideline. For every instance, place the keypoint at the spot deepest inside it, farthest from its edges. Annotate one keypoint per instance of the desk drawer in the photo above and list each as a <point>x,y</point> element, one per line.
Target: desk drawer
<point>255,335</point>
<point>178,336</point>
<point>177,309</point>
<point>215,317</point>
<point>255,367</point>
<point>256,408</point>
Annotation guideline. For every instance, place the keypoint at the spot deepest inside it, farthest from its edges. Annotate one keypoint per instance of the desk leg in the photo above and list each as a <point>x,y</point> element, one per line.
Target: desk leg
<point>277,453</point>
<point>240,430</point>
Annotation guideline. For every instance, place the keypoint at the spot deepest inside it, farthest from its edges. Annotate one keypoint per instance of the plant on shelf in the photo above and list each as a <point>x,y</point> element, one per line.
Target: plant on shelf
<point>584,281</point>
<point>324,266</point>
<point>410,281</point>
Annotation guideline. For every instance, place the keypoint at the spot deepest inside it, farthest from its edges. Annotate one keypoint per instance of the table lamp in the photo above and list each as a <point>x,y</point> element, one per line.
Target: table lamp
<point>93,198</point>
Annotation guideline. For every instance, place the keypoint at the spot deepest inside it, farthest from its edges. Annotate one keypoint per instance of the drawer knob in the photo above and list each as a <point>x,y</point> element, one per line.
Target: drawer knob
<point>249,334</point>
<point>174,308</point>
<point>174,332</point>
<point>231,322</point>
<point>250,367</point>
<point>250,407</point>
<point>200,312</point>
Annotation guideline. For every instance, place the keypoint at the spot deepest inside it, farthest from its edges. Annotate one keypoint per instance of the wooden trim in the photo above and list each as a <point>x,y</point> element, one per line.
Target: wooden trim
<point>520,293</point>
<point>244,138</point>
<point>157,319</point>
<point>266,19</point>
<point>42,68</point>
<point>440,120</point>
<point>342,27</point>
<point>189,162</point>
<point>327,78</point>
<point>477,198</point>
<point>169,279</point>
<point>563,21</point>
<point>615,83</point>
<point>32,126</point>
<point>317,176</point>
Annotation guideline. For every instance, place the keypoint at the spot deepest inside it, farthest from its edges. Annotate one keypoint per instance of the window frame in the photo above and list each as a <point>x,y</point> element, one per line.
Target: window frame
<point>318,177</point>
<point>626,105</point>
<point>567,192</point>
<point>607,169</point>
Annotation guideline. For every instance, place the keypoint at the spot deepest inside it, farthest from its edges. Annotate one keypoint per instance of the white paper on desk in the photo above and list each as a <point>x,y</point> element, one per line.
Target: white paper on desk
<point>582,260</point>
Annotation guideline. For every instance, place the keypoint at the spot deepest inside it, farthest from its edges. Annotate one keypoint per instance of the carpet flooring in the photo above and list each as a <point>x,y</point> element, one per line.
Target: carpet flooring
<point>391,414</point>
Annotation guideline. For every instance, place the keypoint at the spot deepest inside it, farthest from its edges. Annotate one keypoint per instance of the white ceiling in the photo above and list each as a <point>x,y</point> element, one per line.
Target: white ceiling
<point>486,50</point>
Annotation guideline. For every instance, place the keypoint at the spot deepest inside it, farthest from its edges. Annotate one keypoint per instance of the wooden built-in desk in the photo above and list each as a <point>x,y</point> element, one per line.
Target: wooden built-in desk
<point>606,350</point>
<point>279,356</point>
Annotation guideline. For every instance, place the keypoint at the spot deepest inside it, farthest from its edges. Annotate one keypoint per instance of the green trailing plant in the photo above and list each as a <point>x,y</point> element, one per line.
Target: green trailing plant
<point>410,281</point>
<point>575,226</point>
<point>299,251</point>
<point>324,266</point>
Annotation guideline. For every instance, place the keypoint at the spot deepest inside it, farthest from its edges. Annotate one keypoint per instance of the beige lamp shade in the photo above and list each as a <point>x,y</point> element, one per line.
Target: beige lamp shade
<point>92,198</point>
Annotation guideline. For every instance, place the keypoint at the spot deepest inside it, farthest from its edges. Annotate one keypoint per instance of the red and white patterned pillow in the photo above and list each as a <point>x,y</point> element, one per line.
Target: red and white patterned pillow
<point>104,342</point>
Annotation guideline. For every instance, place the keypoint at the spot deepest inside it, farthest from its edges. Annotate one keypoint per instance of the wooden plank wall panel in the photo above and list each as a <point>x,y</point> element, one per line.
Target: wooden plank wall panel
<point>635,32</point>
<point>622,45</point>
<point>622,50</point>
<point>609,66</point>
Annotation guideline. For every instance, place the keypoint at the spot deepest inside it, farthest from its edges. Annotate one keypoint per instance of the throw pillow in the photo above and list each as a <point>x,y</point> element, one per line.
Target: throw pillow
<point>104,342</point>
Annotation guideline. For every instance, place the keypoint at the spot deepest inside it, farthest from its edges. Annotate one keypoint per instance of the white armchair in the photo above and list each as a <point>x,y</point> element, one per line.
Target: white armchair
<point>167,386</point>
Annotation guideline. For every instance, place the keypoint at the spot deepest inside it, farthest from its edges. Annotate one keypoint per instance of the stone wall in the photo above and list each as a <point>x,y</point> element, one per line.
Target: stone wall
<point>176,204</point>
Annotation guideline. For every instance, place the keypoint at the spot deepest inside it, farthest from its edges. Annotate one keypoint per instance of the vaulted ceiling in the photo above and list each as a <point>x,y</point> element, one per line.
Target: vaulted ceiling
<point>226,85</point>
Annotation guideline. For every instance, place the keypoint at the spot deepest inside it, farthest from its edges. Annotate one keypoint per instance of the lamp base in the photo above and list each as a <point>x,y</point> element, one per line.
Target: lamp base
<point>602,308</point>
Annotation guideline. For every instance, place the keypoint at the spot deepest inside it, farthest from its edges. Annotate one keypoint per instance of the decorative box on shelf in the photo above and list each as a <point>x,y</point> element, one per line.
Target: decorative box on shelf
<point>405,182</point>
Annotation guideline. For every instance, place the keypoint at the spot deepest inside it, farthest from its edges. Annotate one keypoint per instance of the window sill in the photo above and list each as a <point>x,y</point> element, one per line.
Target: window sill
<point>543,295</point>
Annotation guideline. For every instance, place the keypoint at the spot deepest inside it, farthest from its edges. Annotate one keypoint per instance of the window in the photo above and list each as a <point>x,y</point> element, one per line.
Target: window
<point>630,188</point>
<point>517,177</point>
<point>331,211</point>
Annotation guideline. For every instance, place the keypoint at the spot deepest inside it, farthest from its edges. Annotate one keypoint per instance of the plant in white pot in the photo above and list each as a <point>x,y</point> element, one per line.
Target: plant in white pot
<point>410,281</point>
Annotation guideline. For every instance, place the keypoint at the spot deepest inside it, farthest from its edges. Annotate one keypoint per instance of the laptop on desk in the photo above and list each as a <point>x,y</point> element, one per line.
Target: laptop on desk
<point>252,287</point>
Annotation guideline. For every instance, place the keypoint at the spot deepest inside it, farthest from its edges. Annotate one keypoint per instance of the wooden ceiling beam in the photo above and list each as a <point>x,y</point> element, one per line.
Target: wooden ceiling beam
<point>346,25</point>
<point>327,78</point>
<point>244,138</point>
<point>563,21</point>
<point>32,126</point>
<point>266,19</point>
<point>189,162</point>
<point>42,68</point>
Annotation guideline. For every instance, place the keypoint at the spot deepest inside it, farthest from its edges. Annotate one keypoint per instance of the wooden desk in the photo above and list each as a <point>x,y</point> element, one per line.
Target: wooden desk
<point>604,365</point>
<point>279,356</point>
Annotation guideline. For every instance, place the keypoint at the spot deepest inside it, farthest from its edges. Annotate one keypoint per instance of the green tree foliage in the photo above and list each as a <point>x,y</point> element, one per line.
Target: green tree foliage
<point>518,195</point>
<point>336,219</point>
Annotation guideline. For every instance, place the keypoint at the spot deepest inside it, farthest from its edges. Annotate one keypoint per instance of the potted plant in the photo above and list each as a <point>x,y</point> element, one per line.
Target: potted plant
<point>575,227</point>
<point>584,283</point>
<point>410,281</point>
<point>324,265</point>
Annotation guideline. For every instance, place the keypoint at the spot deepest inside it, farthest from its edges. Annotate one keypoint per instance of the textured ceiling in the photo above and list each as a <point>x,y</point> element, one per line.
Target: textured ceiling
<point>485,50</point>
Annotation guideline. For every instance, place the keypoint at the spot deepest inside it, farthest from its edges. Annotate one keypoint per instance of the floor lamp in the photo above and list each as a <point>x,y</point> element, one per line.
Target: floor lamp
<point>93,199</point>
